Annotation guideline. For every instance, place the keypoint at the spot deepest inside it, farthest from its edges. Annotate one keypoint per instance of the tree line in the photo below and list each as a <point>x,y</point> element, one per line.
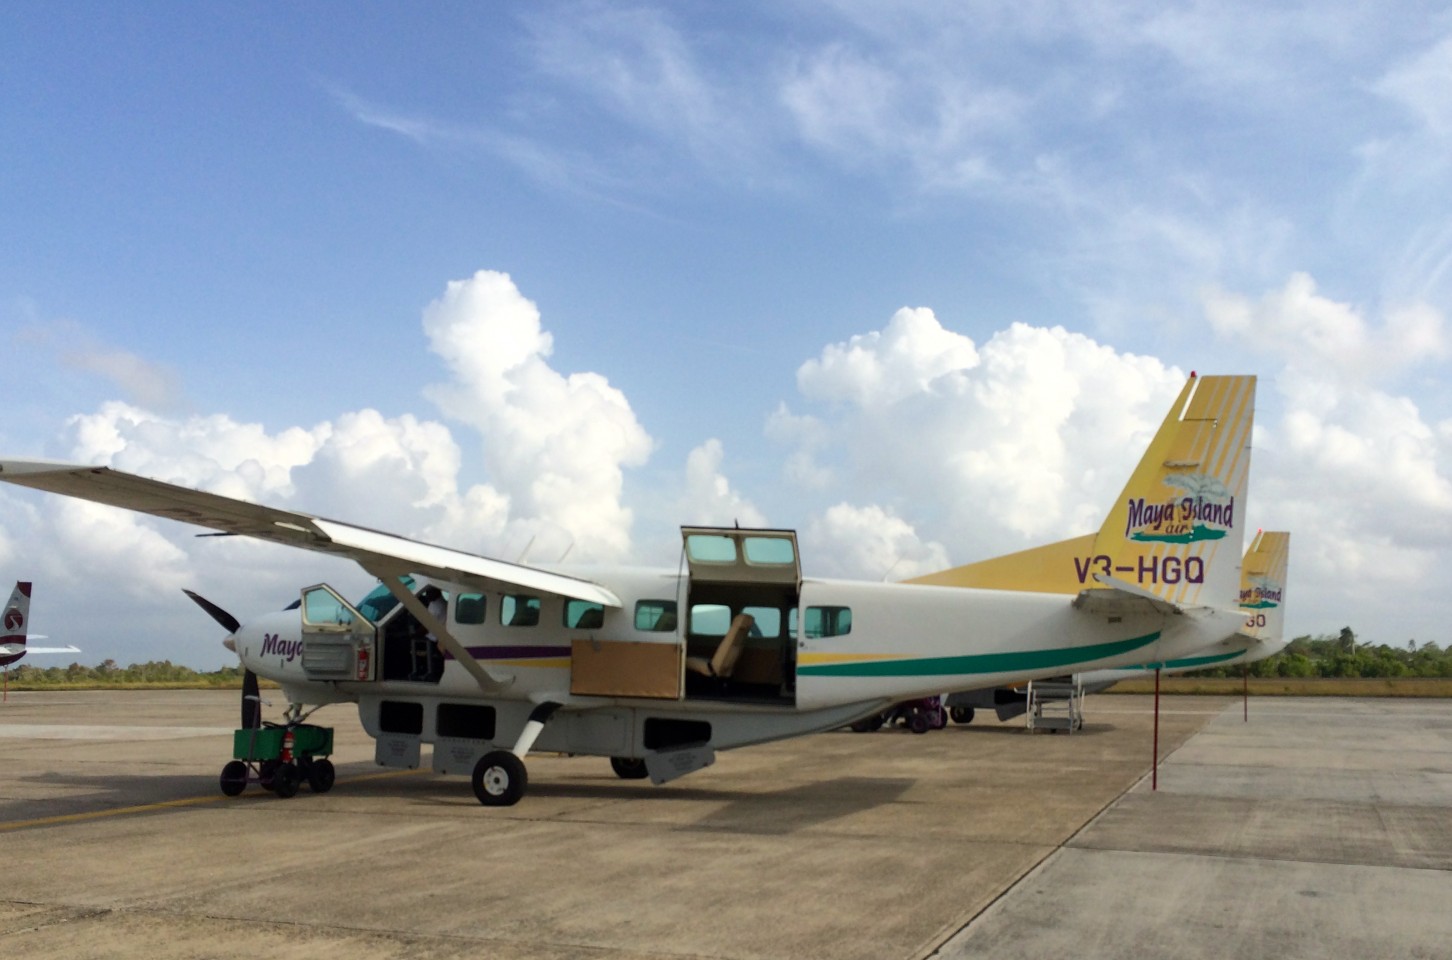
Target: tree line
<point>1339,655</point>
<point>110,673</point>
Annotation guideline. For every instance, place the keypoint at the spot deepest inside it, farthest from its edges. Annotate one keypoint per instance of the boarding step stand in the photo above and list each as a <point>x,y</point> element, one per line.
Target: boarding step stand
<point>1055,704</point>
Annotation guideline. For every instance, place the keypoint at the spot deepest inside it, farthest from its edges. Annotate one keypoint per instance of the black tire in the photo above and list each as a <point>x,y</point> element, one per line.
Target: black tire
<point>865,725</point>
<point>499,779</point>
<point>286,779</point>
<point>267,772</point>
<point>234,778</point>
<point>629,768</point>
<point>961,714</point>
<point>321,775</point>
<point>919,722</point>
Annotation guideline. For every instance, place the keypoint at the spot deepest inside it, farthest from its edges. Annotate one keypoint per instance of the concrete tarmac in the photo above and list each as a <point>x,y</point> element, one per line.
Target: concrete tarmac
<point>981,840</point>
<point>1321,828</point>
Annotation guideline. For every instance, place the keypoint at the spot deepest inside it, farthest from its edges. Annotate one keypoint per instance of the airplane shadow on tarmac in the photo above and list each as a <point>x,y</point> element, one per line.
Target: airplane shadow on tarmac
<point>995,730</point>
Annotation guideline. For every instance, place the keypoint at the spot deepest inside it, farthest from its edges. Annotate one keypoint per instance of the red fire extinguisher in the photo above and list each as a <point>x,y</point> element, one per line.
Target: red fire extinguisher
<point>287,743</point>
<point>363,664</point>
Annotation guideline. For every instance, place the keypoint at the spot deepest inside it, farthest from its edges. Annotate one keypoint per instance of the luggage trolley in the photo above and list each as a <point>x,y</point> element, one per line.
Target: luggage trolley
<point>280,757</point>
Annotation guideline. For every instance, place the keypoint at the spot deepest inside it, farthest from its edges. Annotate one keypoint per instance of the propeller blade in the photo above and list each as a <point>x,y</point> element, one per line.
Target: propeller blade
<point>251,701</point>
<point>228,622</point>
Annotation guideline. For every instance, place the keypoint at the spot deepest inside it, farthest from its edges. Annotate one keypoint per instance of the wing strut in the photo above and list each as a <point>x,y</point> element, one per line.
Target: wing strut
<point>488,680</point>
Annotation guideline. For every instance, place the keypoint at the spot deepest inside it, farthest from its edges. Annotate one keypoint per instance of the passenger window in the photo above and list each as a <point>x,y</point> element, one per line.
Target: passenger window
<point>828,621</point>
<point>469,609</point>
<point>584,615</point>
<point>710,619</point>
<point>657,616</point>
<point>768,621</point>
<point>518,610</point>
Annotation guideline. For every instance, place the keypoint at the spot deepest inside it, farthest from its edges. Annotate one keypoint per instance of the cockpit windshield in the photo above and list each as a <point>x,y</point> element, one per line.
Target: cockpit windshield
<point>379,601</point>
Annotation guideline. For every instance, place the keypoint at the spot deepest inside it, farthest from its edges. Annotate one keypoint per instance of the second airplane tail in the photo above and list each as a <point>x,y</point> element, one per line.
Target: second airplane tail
<point>1263,587</point>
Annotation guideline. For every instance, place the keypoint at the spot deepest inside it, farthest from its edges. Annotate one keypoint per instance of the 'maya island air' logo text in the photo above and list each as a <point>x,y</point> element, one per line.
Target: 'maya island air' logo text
<point>1205,510</point>
<point>1263,592</point>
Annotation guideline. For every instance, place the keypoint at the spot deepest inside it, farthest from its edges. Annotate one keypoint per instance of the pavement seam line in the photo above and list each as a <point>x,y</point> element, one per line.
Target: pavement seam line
<point>1038,867</point>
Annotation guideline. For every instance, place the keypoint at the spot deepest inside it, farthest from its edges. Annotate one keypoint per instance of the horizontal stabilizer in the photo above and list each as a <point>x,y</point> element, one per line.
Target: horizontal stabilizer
<point>1117,597</point>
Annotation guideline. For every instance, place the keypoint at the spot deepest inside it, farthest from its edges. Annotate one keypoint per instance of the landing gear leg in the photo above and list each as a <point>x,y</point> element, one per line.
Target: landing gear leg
<point>500,777</point>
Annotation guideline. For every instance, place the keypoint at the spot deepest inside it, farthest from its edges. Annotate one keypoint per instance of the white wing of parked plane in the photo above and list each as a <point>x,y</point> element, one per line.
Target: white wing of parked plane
<point>372,549</point>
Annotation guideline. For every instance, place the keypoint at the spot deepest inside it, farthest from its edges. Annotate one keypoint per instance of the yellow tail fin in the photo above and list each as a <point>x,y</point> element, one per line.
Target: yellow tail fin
<point>1176,530</point>
<point>1263,585</point>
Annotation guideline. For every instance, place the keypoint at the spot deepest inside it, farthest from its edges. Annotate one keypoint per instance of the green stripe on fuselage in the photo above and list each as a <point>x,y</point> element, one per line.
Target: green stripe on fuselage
<point>1187,662</point>
<point>1015,662</point>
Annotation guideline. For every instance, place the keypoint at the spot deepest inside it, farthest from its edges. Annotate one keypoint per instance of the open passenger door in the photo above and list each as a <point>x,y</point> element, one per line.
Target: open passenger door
<point>741,612</point>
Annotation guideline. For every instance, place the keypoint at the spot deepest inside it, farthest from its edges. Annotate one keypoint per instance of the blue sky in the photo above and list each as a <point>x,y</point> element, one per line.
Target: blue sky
<point>912,278</point>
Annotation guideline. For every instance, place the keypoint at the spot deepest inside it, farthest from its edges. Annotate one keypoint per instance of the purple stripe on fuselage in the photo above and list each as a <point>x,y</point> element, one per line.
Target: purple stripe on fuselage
<point>516,653</point>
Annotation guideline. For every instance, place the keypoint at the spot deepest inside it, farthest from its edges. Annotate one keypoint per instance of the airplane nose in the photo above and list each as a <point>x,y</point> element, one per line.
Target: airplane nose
<point>230,643</point>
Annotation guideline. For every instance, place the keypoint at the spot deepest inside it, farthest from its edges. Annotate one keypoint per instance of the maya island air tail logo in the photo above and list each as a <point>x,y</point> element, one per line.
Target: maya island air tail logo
<point>1204,510</point>
<point>1262,593</point>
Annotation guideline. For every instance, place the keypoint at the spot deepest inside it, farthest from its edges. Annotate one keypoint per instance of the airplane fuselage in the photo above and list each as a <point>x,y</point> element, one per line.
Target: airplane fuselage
<point>866,645</point>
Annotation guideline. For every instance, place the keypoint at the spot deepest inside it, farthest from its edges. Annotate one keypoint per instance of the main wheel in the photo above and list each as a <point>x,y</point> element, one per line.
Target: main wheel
<point>234,778</point>
<point>961,714</point>
<point>321,775</point>
<point>499,779</point>
<point>629,768</point>
<point>918,722</point>
<point>286,779</point>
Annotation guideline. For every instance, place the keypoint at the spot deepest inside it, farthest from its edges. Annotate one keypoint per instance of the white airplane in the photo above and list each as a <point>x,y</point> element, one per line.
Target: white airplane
<point>658,669</point>
<point>14,641</point>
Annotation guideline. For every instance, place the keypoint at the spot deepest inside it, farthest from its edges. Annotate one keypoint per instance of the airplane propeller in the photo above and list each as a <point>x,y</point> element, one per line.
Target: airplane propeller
<point>251,697</point>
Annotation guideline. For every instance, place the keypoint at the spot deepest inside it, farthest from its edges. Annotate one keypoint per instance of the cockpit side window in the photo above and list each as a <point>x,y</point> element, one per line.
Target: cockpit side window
<point>379,601</point>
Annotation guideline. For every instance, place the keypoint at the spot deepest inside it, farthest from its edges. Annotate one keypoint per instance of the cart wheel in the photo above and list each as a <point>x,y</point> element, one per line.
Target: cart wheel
<point>919,722</point>
<point>629,768</point>
<point>321,775</point>
<point>234,778</point>
<point>499,779</point>
<point>267,773</point>
<point>285,780</point>
<point>962,714</point>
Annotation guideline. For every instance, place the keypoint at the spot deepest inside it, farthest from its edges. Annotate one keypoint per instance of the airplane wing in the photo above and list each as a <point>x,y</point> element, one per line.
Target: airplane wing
<point>372,549</point>
<point>11,648</point>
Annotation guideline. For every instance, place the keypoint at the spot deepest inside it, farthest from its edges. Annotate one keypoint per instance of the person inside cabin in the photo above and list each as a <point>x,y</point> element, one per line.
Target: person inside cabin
<point>428,659</point>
